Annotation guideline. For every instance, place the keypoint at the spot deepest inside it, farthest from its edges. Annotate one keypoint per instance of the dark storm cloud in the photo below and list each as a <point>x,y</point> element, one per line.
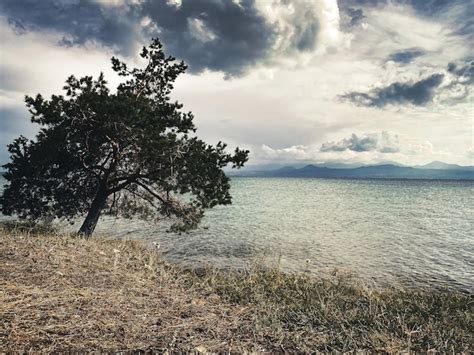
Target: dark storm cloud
<point>407,55</point>
<point>382,143</point>
<point>206,34</point>
<point>417,93</point>
<point>79,20</point>
<point>237,35</point>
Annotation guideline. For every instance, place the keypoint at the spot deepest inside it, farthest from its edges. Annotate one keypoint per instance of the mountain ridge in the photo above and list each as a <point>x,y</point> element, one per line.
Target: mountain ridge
<point>388,171</point>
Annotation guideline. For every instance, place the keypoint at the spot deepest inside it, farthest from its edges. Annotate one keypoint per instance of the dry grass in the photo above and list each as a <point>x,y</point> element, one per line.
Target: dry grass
<point>59,293</point>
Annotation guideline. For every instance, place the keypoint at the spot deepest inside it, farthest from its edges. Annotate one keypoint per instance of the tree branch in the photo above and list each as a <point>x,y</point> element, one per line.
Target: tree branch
<point>151,192</point>
<point>142,197</point>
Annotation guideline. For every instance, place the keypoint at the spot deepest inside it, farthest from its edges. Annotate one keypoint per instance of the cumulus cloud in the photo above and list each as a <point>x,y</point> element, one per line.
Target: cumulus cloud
<point>355,143</point>
<point>302,25</point>
<point>416,93</point>
<point>296,25</point>
<point>358,149</point>
<point>383,143</point>
<point>293,153</point>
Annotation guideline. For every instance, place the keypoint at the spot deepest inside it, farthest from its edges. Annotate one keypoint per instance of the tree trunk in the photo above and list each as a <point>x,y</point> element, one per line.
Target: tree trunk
<point>93,215</point>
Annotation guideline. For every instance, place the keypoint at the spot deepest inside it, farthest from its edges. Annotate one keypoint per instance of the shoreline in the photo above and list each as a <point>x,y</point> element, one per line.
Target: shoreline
<point>59,293</point>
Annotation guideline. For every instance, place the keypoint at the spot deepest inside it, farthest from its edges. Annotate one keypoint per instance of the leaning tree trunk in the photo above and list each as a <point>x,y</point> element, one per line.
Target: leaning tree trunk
<point>93,215</point>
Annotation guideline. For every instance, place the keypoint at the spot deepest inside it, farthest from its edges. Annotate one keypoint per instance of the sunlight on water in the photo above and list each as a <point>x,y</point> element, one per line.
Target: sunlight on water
<point>387,231</point>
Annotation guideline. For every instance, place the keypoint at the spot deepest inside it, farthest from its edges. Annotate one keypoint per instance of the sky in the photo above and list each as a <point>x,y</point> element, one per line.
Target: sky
<point>294,81</point>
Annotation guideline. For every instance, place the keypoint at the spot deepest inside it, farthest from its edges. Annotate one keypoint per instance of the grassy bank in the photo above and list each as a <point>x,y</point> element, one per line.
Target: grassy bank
<point>58,293</point>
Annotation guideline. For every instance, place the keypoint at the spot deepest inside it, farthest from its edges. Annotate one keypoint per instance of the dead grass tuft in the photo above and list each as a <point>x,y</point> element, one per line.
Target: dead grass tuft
<point>59,293</point>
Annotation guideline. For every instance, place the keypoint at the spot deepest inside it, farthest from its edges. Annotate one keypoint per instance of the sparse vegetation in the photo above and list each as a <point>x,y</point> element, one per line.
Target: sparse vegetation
<point>59,293</point>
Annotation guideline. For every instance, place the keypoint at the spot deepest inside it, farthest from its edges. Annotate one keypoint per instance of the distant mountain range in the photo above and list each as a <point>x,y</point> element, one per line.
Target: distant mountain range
<point>438,165</point>
<point>433,171</point>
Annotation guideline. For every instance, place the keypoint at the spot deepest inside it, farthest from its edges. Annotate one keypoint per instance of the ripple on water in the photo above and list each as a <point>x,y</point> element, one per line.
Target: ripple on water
<point>387,231</point>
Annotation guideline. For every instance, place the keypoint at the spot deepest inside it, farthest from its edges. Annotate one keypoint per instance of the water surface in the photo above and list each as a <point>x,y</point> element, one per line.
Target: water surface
<point>416,233</point>
<point>387,231</point>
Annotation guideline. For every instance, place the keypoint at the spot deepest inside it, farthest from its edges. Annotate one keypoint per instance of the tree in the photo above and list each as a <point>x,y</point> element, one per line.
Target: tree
<point>131,153</point>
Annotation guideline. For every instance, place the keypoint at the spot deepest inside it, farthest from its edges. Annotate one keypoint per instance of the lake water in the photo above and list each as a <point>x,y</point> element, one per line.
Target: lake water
<point>416,233</point>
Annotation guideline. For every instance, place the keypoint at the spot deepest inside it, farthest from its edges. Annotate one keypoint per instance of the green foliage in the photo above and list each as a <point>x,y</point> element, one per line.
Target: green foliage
<point>132,152</point>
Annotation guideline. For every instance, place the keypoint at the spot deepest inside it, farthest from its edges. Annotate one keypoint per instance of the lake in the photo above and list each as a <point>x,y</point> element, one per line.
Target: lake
<point>389,232</point>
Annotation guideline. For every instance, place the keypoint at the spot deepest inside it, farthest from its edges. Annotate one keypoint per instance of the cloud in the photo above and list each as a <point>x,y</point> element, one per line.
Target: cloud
<point>79,21</point>
<point>33,63</point>
<point>300,24</point>
<point>460,77</point>
<point>234,36</point>
<point>427,8</point>
<point>293,74</point>
<point>216,35</point>
<point>463,72</point>
<point>407,55</point>
<point>291,154</point>
<point>356,16</point>
<point>358,149</point>
<point>296,25</point>
<point>11,79</point>
<point>200,31</point>
<point>227,36</point>
<point>354,143</point>
<point>459,14</point>
<point>416,93</point>
<point>470,154</point>
<point>383,143</point>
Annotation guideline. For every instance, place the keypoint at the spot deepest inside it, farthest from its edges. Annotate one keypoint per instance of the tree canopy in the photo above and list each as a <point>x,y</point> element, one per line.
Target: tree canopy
<point>132,152</point>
